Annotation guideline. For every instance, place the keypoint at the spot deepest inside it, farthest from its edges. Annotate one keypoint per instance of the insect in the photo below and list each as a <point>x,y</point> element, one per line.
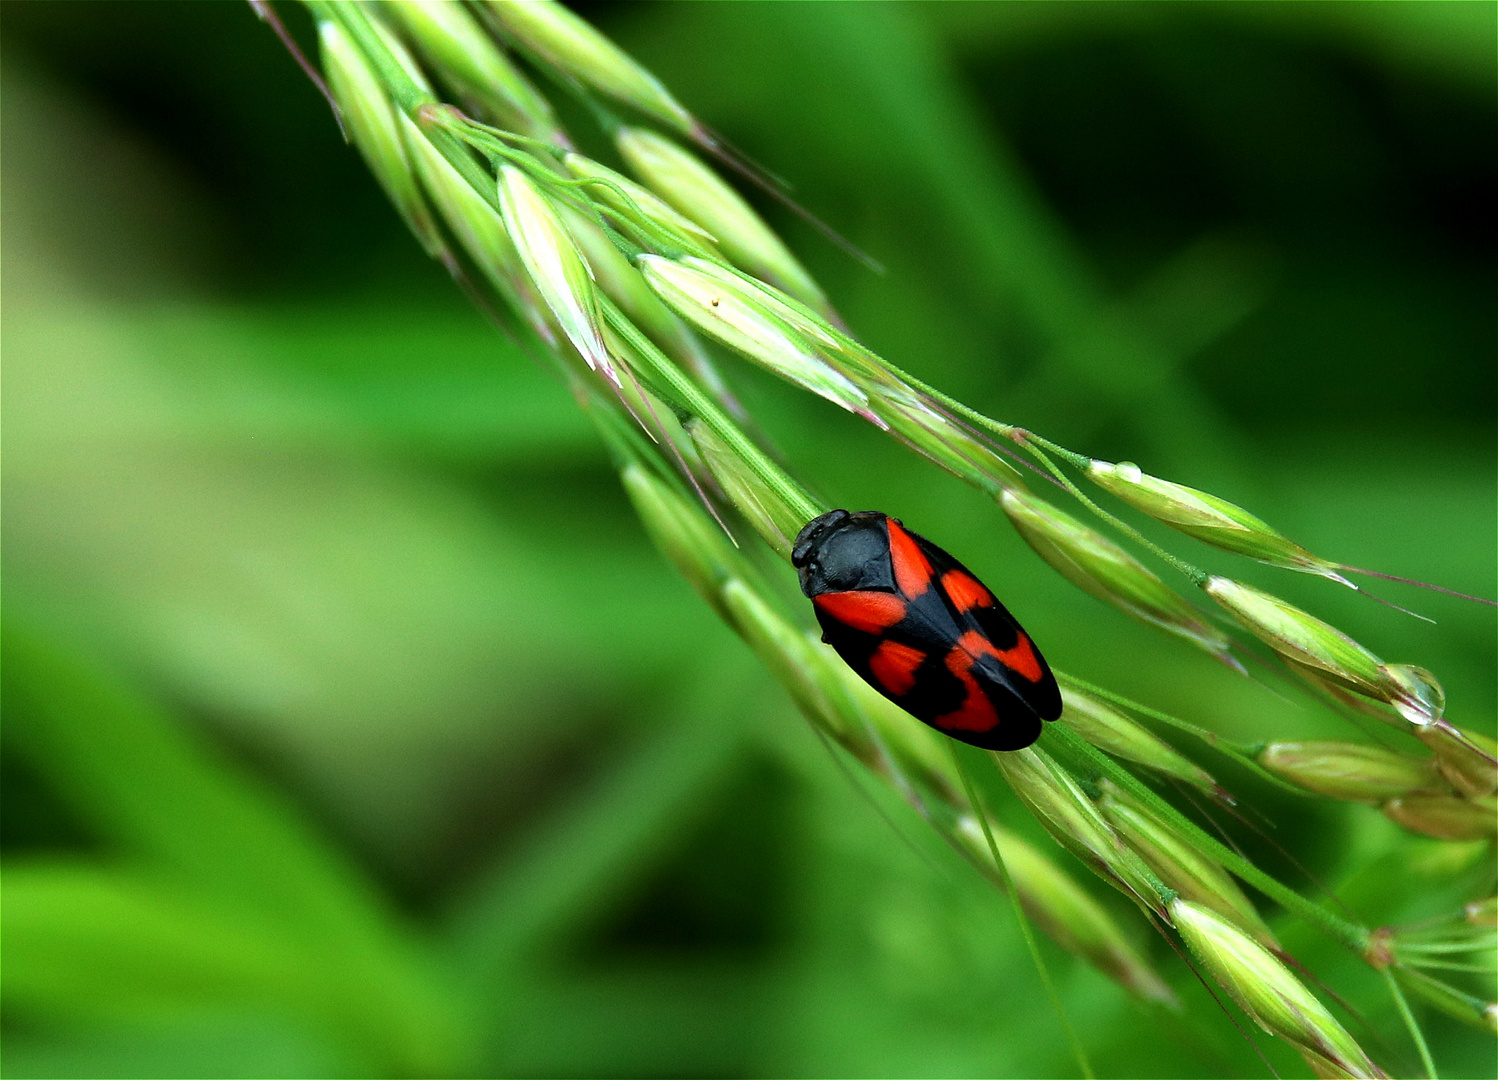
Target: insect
<point>921,629</point>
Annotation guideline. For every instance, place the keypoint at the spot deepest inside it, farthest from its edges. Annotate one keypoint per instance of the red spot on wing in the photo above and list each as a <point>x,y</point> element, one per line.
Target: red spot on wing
<point>964,591</point>
<point>871,612</point>
<point>1022,659</point>
<point>912,571</point>
<point>1019,658</point>
<point>894,665</point>
<point>976,713</point>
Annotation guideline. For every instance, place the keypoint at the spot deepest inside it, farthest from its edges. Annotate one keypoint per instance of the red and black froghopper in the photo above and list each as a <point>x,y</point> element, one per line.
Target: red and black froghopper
<point>916,625</point>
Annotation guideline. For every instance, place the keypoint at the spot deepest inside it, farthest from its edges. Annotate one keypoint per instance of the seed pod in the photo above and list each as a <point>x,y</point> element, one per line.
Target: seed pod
<point>1206,517</point>
<point>692,188</point>
<point>370,120</point>
<point>1067,814</point>
<point>733,318</point>
<point>1301,638</point>
<point>1266,990</point>
<point>1340,695</point>
<point>775,522</point>
<point>636,203</point>
<point>1062,908</point>
<point>562,39</point>
<point>1110,730</point>
<point>1098,566</point>
<point>555,265</point>
<point>1356,772</point>
<point>1466,758</point>
<point>1445,817</point>
<point>1482,912</point>
<point>1180,865</point>
<point>475,67</point>
<point>1323,1069</point>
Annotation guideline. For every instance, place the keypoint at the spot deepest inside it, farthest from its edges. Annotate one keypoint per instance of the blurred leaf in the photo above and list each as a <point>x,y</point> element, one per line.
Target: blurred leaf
<point>144,782</point>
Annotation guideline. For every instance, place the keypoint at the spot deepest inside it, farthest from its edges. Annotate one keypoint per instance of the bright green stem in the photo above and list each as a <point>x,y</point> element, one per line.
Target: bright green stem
<point>1409,1021</point>
<point>1349,934</point>
<point>701,406</point>
<point>1025,929</point>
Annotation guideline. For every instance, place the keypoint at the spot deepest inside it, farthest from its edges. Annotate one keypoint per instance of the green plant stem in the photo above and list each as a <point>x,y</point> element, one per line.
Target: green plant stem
<point>1019,913</point>
<point>1409,1021</point>
<point>1349,934</point>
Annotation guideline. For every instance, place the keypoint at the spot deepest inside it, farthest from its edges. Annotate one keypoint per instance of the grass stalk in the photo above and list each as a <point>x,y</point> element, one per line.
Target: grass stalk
<point>1019,913</point>
<point>1410,1024</point>
<point>1350,934</point>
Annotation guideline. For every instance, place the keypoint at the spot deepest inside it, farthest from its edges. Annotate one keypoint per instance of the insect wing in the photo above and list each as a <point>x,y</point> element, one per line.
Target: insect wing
<point>1008,664</point>
<point>931,638</point>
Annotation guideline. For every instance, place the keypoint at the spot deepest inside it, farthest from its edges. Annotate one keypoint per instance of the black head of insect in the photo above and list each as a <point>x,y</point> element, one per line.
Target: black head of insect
<point>840,551</point>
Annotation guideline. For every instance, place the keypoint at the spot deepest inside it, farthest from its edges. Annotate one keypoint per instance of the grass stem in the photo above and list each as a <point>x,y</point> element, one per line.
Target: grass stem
<point>1019,913</point>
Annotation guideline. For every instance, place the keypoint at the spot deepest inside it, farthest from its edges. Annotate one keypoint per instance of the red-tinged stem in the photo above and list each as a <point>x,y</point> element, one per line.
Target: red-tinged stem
<point>1419,585</point>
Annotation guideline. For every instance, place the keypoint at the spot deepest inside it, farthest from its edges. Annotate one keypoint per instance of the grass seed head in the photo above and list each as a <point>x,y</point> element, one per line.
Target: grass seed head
<point>1266,990</point>
<point>479,229</point>
<point>1179,865</point>
<point>555,266</point>
<point>1357,772</point>
<point>1062,909</point>
<point>639,200</point>
<point>811,676</point>
<point>370,119</point>
<point>1302,639</point>
<point>1446,817</point>
<point>622,283</point>
<point>1097,565</point>
<point>735,319</point>
<point>564,40</point>
<point>678,176</point>
<point>1206,517</point>
<point>475,67</point>
<point>693,544</point>
<point>1068,815</point>
<point>1110,730</point>
<point>775,522</point>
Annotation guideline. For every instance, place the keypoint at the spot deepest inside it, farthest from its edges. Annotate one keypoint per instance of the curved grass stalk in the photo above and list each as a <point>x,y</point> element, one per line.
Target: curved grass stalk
<point>815,352</point>
<point>1024,922</point>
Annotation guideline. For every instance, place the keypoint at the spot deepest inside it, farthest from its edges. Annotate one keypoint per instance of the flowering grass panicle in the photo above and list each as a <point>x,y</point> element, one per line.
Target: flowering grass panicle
<point>627,284</point>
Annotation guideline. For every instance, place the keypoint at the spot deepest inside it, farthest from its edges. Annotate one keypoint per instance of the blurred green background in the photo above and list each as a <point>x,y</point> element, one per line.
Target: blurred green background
<point>352,727</point>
